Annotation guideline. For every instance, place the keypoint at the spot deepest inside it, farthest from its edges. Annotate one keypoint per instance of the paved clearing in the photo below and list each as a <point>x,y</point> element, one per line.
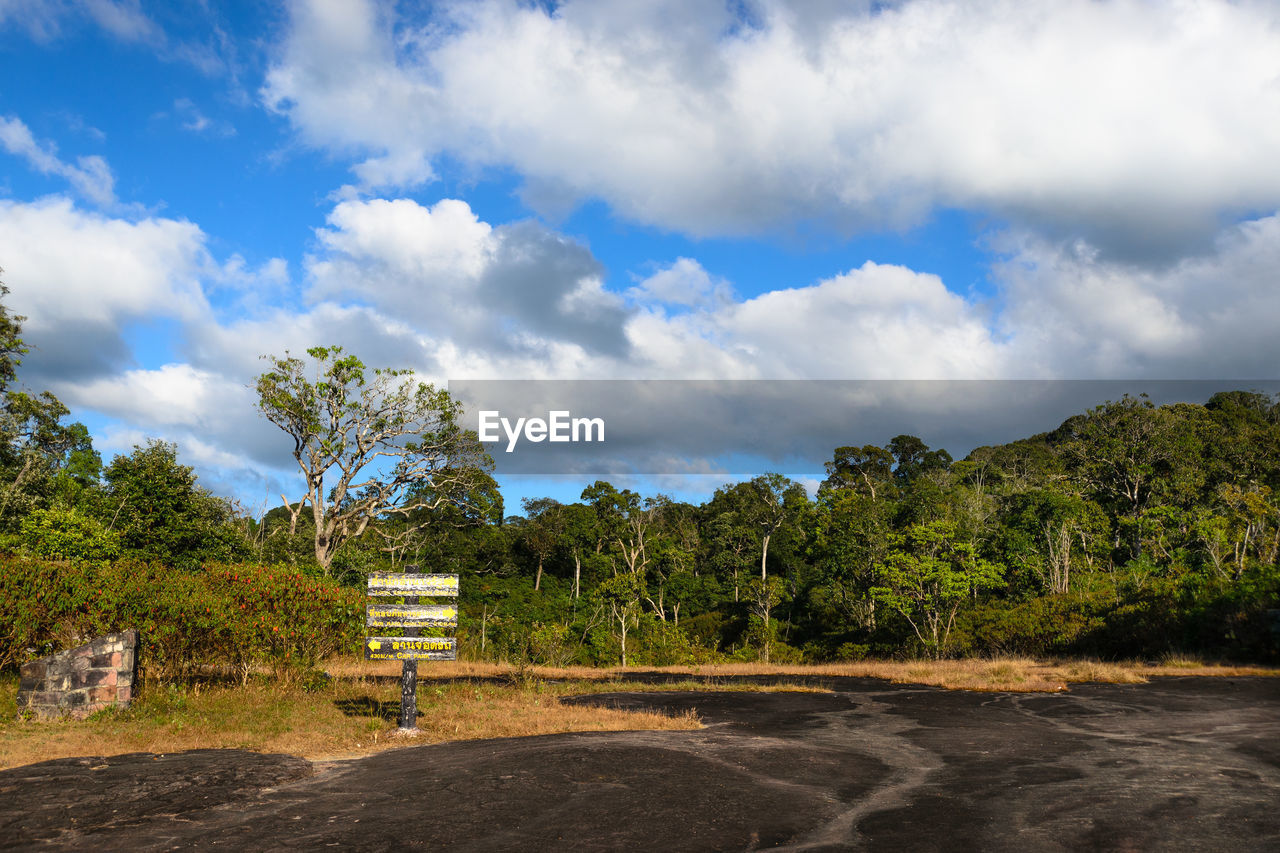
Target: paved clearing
<point>1178,764</point>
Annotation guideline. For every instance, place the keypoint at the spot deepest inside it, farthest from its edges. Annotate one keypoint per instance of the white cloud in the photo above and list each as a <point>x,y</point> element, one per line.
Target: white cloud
<point>172,395</point>
<point>119,269</point>
<point>441,291</point>
<point>518,300</point>
<point>1062,309</point>
<point>683,283</point>
<point>91,176</point>
<point>44,19</point>
<point>517,288</point>
<point>874,322</point>
<point>192,119</point>
<point>1137,125</point>
<point>1210,316</point>
<point>81,278</point>
<point>123,19</point>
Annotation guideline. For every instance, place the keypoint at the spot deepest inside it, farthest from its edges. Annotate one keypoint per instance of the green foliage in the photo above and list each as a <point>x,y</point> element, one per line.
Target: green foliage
<point>11,346</point>
<point>393,445</point>
<point>65,533</point>
<point>162,514</point>
<point>223,616</point>
<point>1131,529</point>
<point>928,575</point>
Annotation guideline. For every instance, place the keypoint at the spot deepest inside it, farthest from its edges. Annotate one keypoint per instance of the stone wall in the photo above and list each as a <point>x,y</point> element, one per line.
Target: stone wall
<point>80,681</point>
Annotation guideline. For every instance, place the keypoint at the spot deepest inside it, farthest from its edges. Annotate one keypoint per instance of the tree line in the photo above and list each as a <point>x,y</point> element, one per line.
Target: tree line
<point>1130,529</point>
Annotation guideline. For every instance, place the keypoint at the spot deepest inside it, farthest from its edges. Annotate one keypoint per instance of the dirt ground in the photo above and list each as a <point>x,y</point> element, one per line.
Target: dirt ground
<point>1177,764</point>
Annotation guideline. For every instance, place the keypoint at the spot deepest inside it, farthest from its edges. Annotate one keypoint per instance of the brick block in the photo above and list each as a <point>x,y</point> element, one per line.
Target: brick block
<point>34,669</point>
<point>96,678</point>
<point>79,681</point>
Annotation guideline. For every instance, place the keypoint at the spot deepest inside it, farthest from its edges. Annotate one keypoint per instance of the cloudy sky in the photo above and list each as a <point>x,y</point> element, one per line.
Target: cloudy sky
<point>756,189</point>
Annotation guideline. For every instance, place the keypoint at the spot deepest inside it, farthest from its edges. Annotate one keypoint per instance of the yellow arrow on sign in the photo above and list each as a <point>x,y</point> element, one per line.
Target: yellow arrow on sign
<point>374,645</point>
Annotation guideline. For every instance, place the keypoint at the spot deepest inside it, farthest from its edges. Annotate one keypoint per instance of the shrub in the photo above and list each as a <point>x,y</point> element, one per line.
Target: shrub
<point>232,616</point>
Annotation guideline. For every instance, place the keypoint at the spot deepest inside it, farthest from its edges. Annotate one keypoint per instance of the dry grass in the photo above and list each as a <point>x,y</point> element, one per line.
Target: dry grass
<point>348,717</point>
<point>991,674</point>
<point>985,674</point>
<point>1016,674</point>
<point>354,714</point>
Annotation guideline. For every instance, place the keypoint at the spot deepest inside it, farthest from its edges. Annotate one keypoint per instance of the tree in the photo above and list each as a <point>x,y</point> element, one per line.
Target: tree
<point>580,534</point>
<point>162,514</point>
<point>866,469</point>
<point>621,595</point>
<point>543,530</point>
<point>389,445</point>
<point>763,594</point>
<point>1132,455</point>
<point>928,575</point>
<point>847,540</point>
<point>35,446</point>
<point>765,503</point>
<point>11,347</point>
<point>914,457</point>
<point>1050,532</point>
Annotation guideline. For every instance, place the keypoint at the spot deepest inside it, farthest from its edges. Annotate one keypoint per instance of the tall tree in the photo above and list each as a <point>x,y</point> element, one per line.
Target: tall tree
<point>370,445</point>
<point>867,469</point>
<point>928,575</point>
<point>543,530</point>
<point>34,442</point>
<point>162,514</point>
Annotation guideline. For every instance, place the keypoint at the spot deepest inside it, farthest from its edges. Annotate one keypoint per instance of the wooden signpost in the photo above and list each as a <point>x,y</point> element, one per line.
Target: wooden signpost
<point>410,617</point>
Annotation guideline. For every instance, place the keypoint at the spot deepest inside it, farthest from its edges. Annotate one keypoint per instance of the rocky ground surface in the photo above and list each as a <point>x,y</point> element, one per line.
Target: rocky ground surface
<point>1178,764</point>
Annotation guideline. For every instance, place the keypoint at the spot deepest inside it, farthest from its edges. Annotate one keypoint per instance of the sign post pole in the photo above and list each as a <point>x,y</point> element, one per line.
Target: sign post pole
<point>409,617</point>
<point>409,676</point>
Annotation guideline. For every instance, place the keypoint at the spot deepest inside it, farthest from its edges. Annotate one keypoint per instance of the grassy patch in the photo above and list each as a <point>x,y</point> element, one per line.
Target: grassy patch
<point>992,674</point>
<point>985,674</point>
<point>349,716</point>
<point>354,712</point>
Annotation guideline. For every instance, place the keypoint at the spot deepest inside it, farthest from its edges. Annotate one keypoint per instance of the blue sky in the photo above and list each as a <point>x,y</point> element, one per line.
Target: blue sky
<point>927,189</point>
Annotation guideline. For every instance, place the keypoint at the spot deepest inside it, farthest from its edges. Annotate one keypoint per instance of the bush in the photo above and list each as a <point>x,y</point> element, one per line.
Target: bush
<point>62,533</point>
<point>229,616</point>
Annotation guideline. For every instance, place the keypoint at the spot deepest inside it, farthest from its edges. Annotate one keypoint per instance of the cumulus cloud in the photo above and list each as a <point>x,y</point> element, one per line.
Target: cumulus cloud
<point>1071,312</point>
<point>876,321</point>
<point>91,177</point>
<point>683,284</point>
<point>437,289</point>
<point>1137,126</point>
<point>514,289</point>
<point>82,278</point>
